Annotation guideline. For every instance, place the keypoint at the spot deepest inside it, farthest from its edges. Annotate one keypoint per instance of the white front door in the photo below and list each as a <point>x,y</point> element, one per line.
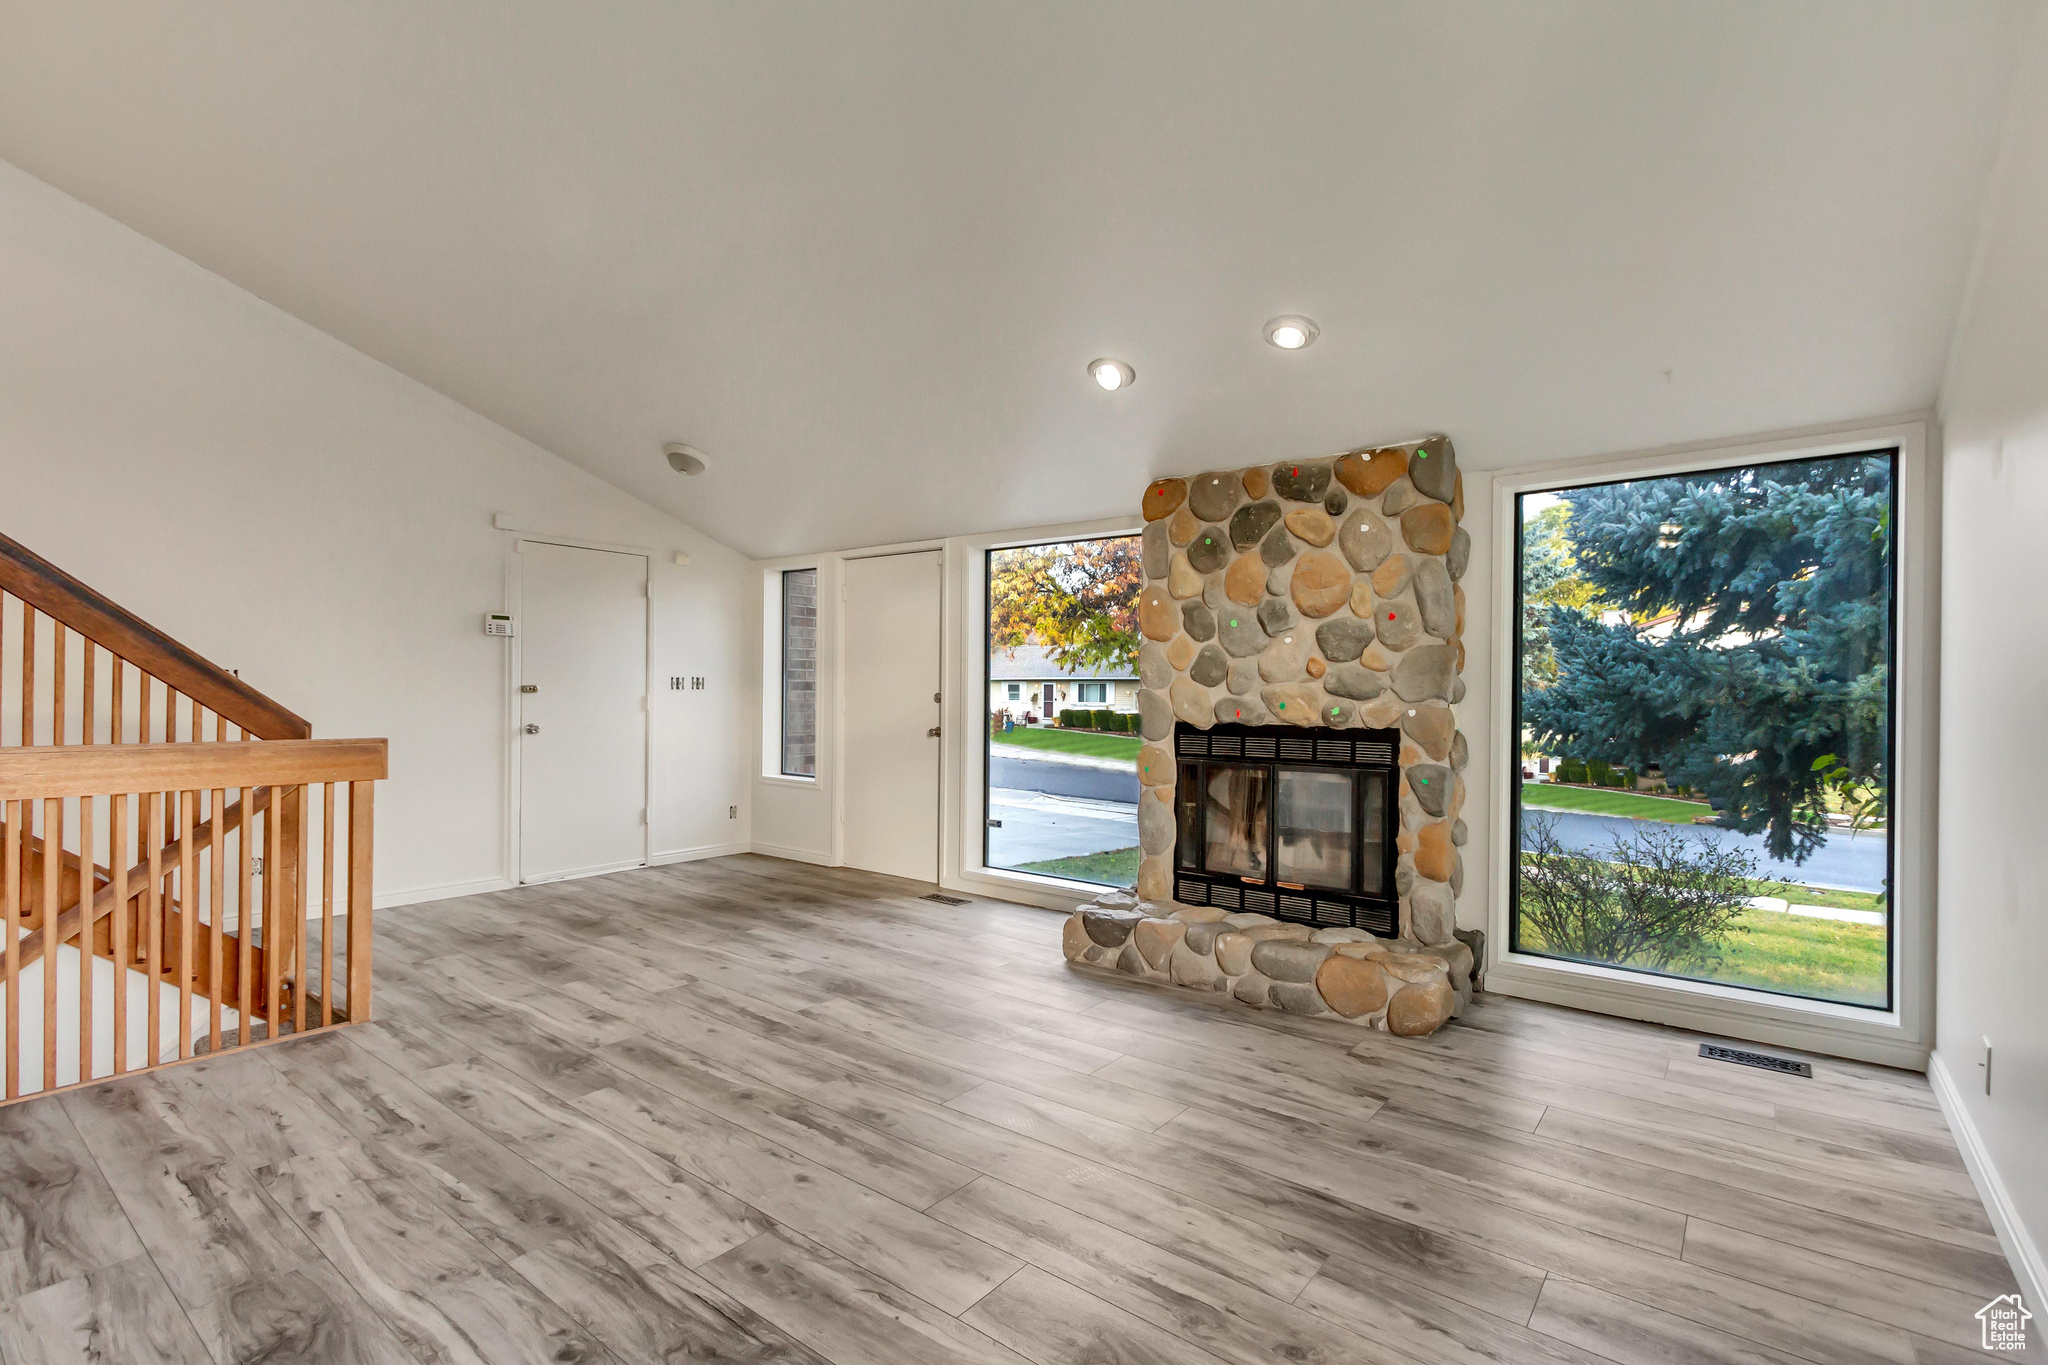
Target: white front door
<point>891,710</point>
<point>582,711</point>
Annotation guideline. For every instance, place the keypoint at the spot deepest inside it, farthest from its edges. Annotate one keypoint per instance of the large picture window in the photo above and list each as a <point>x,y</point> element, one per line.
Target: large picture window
<point>1704,673</point>
<point>1062,796</point>
<point>800,673</point>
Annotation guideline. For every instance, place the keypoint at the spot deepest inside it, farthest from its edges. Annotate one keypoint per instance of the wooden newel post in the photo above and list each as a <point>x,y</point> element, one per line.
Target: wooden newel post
<point>361,838</point>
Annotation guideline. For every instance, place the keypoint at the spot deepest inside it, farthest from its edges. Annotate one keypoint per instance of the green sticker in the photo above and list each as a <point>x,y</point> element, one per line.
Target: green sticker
<point>1233,623</point>
<point>1282,706</point>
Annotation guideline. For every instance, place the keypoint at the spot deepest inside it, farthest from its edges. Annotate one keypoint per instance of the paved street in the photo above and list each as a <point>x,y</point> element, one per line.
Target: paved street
<point>1040,825</point>
<point>1849,862</point>
<point>1064,778</point>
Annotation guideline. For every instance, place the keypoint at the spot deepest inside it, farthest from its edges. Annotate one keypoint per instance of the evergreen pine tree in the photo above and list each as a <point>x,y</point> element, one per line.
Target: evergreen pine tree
<point>1768,677</point>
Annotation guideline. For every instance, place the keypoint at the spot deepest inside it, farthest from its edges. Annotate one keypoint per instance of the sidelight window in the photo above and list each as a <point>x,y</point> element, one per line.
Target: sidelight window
<point>800,673</point>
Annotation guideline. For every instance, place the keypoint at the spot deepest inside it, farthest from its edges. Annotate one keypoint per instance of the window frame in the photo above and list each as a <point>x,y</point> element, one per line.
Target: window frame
<point>974,806</point>
<point>782,676</point>
<point>1900,1036</point>
<point>1512,764</point>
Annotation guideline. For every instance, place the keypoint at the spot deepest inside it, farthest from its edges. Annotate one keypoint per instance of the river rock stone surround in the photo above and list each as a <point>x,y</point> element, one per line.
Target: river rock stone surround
<point>1320,593</point>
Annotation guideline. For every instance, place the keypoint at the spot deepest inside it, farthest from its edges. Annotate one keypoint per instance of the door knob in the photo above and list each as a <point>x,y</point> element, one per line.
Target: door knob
<point>532,729</point>
<point>932,733</point>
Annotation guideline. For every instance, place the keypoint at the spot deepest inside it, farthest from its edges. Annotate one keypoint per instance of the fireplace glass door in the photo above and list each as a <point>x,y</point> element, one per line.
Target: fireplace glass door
<point>1313,811</point>
<point>1239,806</point>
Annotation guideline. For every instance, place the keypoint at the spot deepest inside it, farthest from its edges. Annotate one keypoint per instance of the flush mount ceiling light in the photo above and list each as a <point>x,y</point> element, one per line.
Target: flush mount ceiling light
<point>1112,374</point>
<point>685,459</point>
<point>1292,332</point>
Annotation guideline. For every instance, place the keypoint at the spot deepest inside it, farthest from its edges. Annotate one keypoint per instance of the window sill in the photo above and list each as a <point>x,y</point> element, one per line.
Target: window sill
<point>1704,1006</point>
<point>1052,893</point>
<point>785,780</point>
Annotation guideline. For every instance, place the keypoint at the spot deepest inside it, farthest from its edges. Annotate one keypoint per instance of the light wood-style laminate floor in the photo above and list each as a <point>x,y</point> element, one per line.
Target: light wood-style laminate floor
<point>750,1110</point>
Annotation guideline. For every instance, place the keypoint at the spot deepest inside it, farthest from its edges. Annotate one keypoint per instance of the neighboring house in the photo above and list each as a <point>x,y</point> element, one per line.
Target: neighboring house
<point>1024,678</point>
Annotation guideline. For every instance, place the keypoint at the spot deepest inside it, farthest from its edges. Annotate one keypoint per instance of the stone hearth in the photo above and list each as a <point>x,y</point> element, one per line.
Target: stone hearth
<point>1322,594</point>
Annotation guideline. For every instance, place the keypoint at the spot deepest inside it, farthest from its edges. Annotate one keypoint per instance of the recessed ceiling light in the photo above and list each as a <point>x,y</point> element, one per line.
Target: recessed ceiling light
<point>685,459</point>
<point>1112,374</point>
<point>1292,332</point>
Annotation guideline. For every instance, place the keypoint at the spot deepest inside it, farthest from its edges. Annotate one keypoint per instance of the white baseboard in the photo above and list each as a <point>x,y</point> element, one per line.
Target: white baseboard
<point>691,855</point>
<point>2013,1234</point>
<point>417,895</point>
<point>795,855</point>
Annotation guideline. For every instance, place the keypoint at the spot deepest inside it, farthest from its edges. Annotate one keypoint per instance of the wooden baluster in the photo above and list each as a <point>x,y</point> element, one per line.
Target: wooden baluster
<point>188,917</point>
<point>142,709</point>
<point>244,958</point>
<point>361,822</point>
<point>298,915</point>
<point>57,679</point>
<point>327,904</point>
<point>28,674</point>
<point>87,879</point>
<point>88,865</point>
<point>17,813</point>
<point>118,861</point>
<point>53,863</point>
<point>53,883</point>
<point>273,913</point>
<point>153,916</point>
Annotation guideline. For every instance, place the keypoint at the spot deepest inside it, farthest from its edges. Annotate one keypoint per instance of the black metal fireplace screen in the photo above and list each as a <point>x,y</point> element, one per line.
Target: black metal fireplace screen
<point>1297,824</point>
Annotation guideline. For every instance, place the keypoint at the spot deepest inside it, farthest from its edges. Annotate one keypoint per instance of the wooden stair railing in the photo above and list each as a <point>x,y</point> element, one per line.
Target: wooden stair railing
<point>168,906</point>
<point>79,672</point>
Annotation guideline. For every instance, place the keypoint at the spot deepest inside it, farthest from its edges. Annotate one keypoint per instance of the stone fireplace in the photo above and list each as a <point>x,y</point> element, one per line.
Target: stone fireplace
<point>1301,810</point>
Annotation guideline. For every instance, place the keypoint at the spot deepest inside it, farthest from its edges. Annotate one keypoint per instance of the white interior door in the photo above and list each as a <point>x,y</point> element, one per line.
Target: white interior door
<point>582,711</point>
<point>890,712</point>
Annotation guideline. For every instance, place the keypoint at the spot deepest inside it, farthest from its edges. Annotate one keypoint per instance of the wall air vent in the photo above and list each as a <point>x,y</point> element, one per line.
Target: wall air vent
<point>1192,743</point>
<point>1761,1060</point>
<point>1223,746</point>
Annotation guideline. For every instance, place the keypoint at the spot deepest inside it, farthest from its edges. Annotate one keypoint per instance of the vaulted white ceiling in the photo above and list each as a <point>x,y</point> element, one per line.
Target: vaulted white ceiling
<point>860,252</point>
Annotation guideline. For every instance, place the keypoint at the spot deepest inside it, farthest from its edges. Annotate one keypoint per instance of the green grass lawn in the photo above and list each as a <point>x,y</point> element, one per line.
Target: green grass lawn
<point>1774,951</point>
<point>1113,867</point>
<point>1604,801</point>
<point>1819,957</point>
<point>1086,742</point>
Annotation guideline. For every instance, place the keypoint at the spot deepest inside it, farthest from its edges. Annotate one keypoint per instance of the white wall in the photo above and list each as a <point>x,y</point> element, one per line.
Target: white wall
<point>1993,932</point>
<point>288,507</point>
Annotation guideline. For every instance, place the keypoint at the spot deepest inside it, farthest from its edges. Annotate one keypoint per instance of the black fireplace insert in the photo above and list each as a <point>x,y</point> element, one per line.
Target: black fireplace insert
<point>1294,823</point>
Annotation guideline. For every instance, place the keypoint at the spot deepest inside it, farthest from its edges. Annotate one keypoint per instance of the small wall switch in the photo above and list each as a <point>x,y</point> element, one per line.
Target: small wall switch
<point>732,812</point>
<point>682,556</point>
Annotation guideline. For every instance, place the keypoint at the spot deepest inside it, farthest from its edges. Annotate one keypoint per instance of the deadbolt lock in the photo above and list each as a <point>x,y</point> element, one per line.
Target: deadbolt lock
<point>933,733</point>
<point>532,729</point>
